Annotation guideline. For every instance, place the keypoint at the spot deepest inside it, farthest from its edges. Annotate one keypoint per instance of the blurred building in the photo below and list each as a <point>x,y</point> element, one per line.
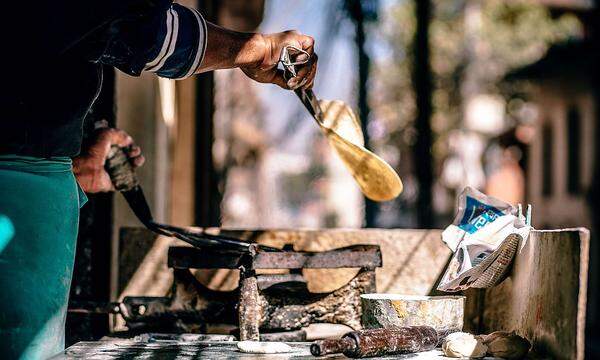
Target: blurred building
<point>561,156</point>
<point>562,170</point>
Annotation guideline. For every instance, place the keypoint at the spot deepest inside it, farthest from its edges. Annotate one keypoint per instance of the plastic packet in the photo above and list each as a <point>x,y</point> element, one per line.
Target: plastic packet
<point>484,236</point>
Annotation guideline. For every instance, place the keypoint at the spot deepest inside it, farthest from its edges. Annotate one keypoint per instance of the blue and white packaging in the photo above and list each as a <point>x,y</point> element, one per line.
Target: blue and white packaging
<point>485,236</point>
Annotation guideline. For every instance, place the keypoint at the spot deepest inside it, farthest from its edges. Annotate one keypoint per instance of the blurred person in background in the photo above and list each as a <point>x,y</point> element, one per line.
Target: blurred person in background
<point>506,162</point>
<point>52,66</point>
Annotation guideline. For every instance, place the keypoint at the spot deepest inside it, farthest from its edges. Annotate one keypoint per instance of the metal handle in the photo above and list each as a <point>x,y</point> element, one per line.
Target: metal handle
<point>307,97</point>
<point>289,61</point>
<point>123,177</point>
<point>310,102</point>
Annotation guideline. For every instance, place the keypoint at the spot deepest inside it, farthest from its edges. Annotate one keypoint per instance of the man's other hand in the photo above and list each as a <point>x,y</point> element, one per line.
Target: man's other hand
<point>268,50</point>
<point>89,166</point>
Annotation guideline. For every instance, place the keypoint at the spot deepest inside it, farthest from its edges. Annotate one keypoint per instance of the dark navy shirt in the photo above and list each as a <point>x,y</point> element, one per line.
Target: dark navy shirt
<point>53,55</point>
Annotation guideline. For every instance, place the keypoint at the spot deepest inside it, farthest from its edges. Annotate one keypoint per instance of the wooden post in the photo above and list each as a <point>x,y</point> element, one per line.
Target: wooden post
<point>423,89</point>
<point>355,8</point>
<point>593,333</point>
<point>207,195</point>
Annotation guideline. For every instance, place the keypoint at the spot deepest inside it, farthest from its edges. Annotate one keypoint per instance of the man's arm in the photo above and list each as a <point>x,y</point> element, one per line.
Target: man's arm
<point>257,55</point>
<point>176,42</point>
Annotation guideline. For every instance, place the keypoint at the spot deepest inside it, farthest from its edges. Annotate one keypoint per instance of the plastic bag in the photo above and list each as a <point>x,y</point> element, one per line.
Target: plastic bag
<point>484,237</point>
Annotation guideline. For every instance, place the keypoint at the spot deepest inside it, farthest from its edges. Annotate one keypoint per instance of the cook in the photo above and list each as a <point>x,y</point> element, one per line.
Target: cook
<point>53,58</point>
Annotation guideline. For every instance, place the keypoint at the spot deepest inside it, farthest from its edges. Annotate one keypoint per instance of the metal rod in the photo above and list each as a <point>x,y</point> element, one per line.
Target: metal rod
<point>216,240</point>
<point>123,177</point>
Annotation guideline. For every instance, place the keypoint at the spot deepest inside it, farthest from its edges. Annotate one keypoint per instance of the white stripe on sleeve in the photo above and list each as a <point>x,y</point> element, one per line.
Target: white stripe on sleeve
<point>172,45</point>
<point>202,40</point>
<point>165,44</point>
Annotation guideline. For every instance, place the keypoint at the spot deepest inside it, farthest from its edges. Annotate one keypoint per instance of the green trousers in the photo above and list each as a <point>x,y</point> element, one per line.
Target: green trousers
<point>41,199</point>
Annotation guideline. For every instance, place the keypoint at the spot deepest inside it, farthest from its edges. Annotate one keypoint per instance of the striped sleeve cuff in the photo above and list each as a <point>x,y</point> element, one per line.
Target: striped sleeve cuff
<point>183,44</point>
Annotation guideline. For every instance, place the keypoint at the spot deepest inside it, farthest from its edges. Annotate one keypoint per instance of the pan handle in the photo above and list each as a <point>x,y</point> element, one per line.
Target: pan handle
<point>289,63</point>
<point>123,177</point>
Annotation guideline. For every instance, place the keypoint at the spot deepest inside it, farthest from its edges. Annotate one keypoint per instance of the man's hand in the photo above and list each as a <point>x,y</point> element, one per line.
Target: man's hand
<point>89,166</point>
<point>258,54</point>
<point>264,69</point>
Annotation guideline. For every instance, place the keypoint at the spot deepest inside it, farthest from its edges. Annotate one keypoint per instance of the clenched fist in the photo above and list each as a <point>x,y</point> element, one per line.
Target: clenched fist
<point>257,55</point>
<point>265,70</point>
<point>89,166</point>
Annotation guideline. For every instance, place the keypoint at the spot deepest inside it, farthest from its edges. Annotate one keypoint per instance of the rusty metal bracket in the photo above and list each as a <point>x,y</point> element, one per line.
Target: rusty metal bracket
<point>262,303</point>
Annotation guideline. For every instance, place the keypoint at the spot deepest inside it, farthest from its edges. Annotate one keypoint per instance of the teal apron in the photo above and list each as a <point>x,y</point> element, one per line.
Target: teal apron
<point>41,199</point>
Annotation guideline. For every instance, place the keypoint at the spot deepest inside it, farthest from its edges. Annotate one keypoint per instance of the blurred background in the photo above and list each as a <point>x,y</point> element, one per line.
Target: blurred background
<point>500,95</point>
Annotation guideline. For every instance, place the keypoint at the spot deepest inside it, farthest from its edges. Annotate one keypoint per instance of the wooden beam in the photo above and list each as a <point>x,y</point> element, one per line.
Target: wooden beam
<point>422,157</point>
<point>207,197</point>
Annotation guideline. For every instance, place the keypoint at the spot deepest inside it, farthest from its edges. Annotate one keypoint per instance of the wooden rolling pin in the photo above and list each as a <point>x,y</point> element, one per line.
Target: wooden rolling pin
<point>379,342</point>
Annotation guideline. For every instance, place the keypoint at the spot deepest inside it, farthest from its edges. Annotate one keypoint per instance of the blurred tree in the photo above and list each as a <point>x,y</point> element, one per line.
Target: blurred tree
<point>509,34</point>
<point>362,12</point>
<point>423,86</point>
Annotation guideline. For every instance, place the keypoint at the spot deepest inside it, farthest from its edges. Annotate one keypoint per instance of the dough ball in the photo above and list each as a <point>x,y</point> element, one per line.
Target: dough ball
<point>461,344</point>
<point>506,345</point>
<point>264,347</point>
